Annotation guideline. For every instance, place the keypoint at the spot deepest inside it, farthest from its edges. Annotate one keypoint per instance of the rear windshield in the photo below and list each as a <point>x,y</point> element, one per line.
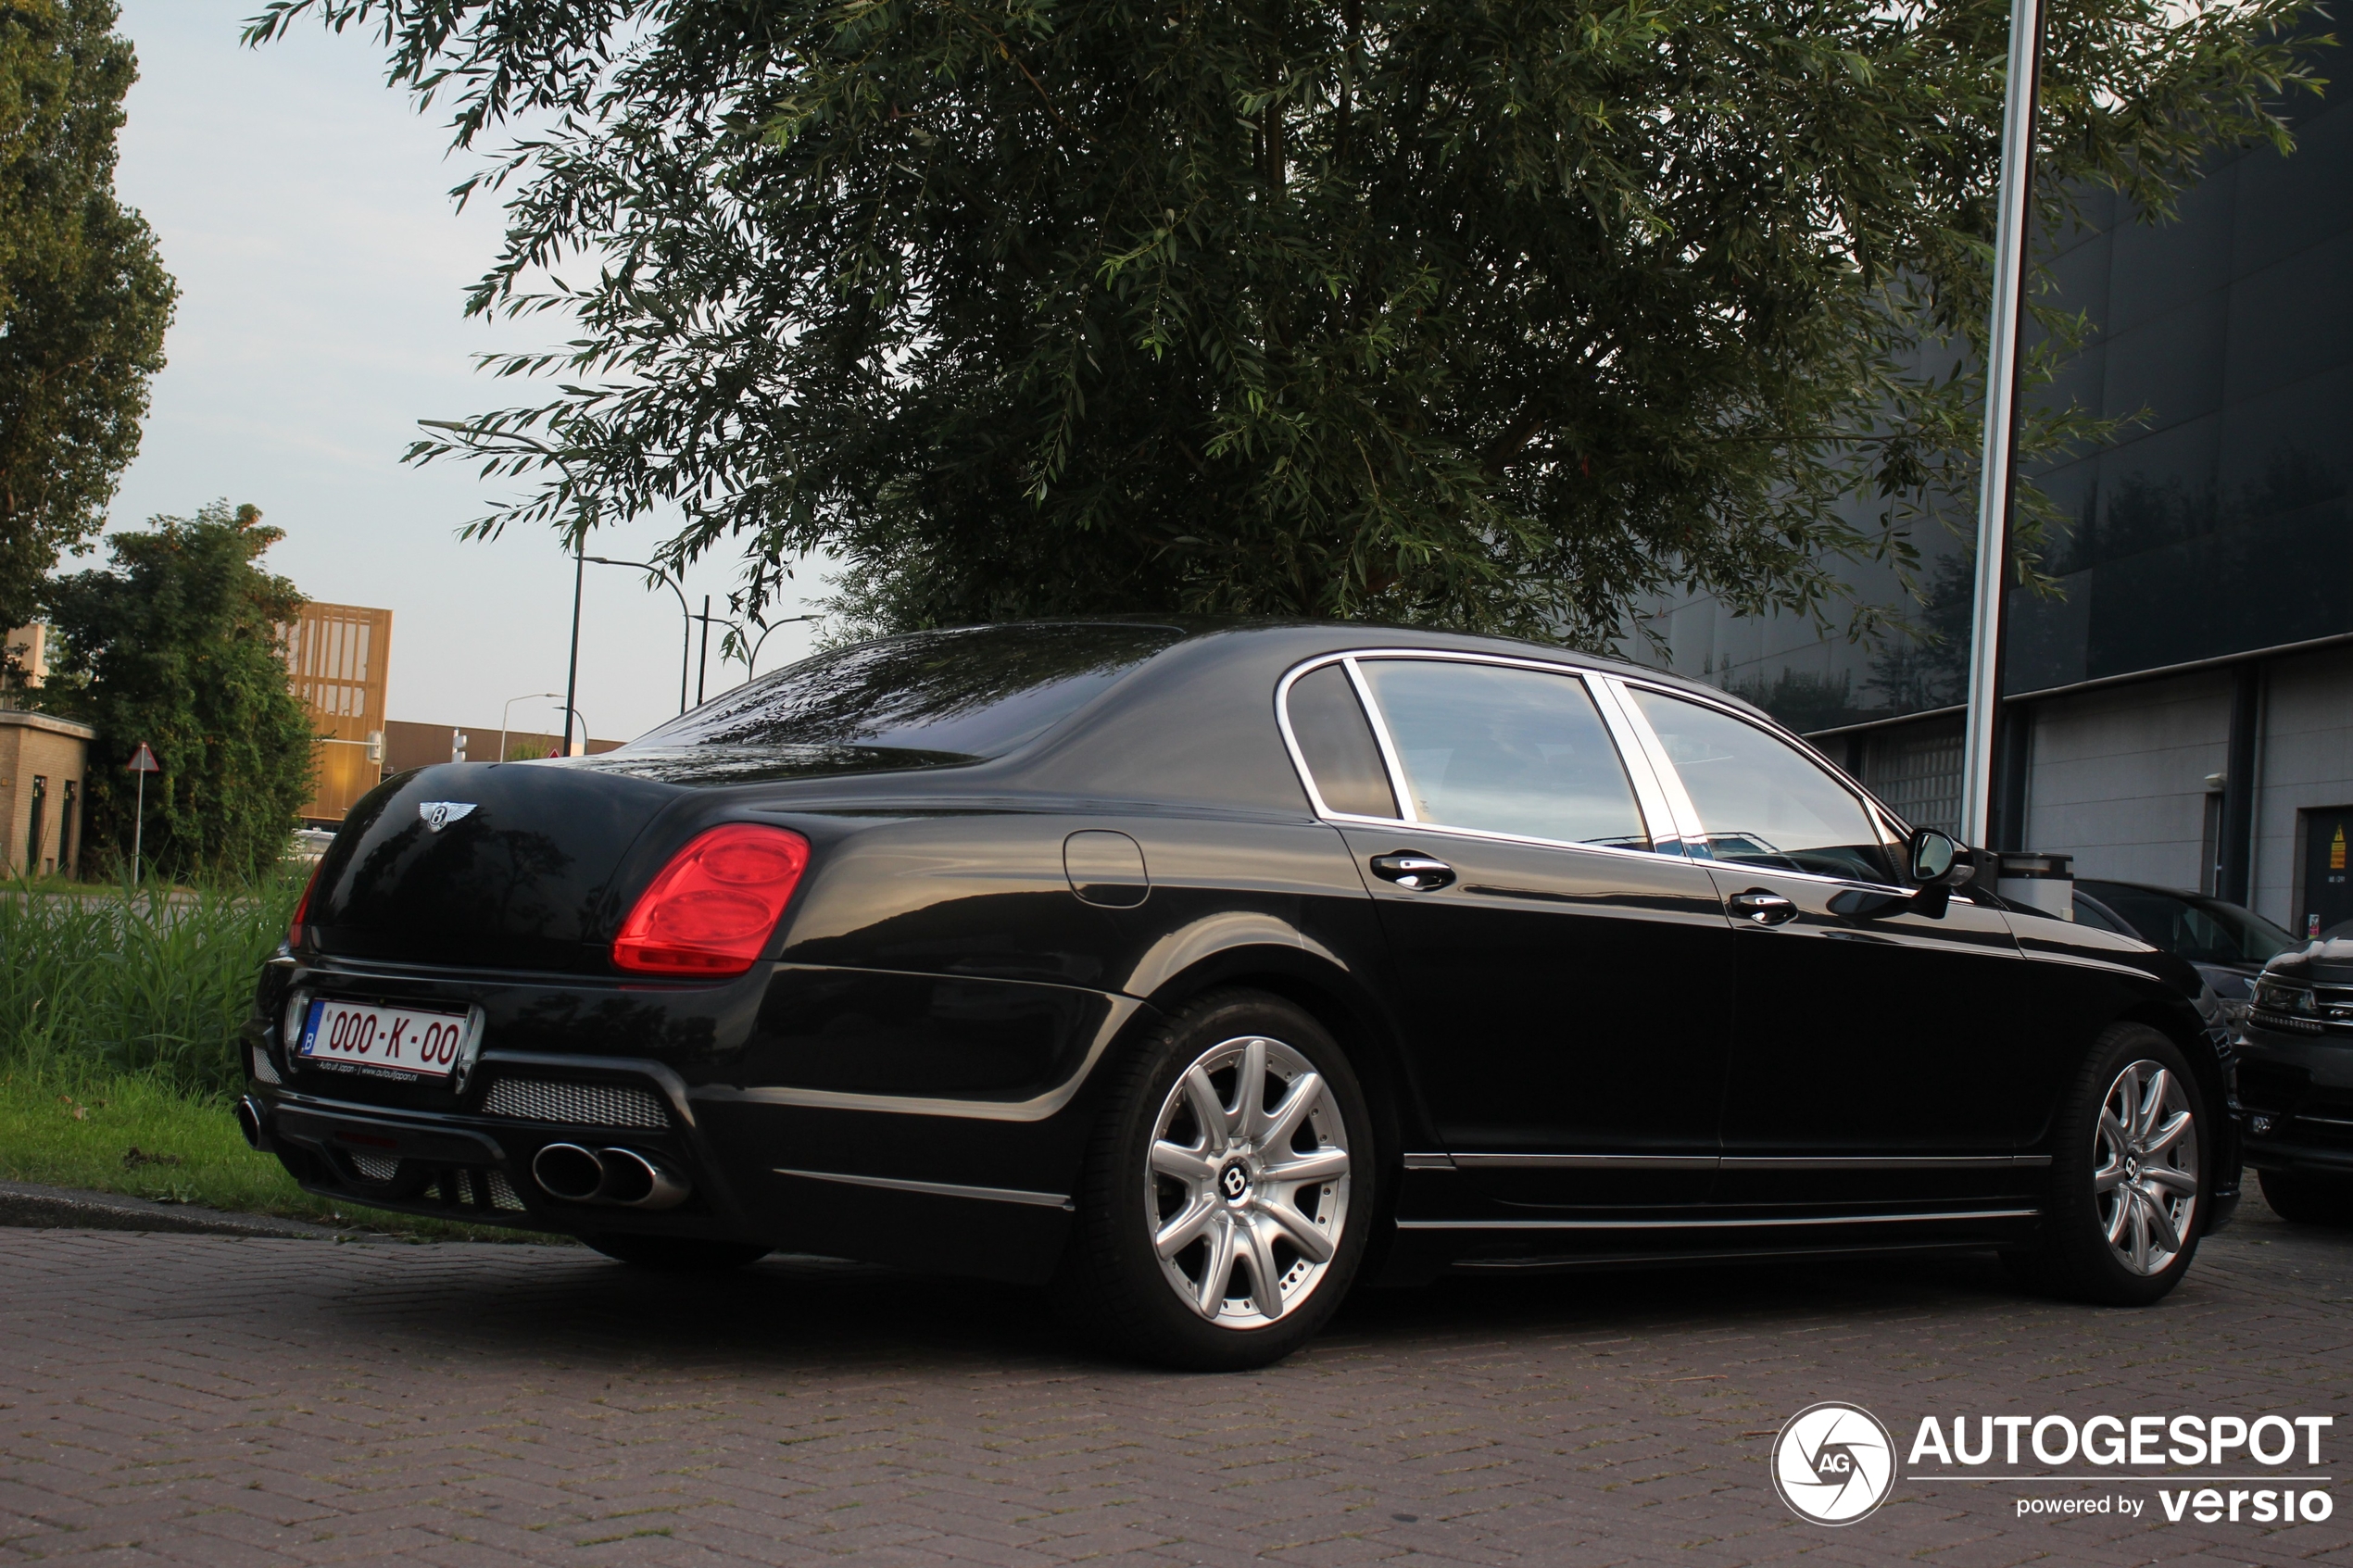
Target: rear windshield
<point>927,698</point>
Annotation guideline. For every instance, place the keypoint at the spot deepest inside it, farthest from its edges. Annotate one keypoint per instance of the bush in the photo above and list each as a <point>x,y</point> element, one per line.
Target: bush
<point>152,980</point>
<point>178,645</point>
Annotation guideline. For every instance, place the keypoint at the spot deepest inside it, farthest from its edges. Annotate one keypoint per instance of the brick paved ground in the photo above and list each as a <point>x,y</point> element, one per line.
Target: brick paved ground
<point>198,1399</point>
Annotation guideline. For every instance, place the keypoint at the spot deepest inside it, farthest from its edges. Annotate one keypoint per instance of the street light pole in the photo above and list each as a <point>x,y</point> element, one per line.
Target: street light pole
<point>687,649</point>
<point>702,660</point>
<point>572,674</point>
<point>526,697</point>
<point>751,665</point>
<point>1995,482</point>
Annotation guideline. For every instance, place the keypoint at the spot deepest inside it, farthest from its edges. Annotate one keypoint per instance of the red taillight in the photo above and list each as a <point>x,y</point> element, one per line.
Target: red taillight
<point>711,909</point>
<point>302,909</point>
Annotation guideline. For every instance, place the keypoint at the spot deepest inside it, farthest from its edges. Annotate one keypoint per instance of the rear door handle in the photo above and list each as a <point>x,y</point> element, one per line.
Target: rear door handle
<point>1761,907</point>
<point>1413,871</point>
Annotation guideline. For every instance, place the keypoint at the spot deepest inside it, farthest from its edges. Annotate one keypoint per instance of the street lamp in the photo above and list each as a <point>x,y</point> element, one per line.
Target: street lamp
<point>570,713</point>
<point>686,649</point>
<point>751,665</point>
<point>510,707</point>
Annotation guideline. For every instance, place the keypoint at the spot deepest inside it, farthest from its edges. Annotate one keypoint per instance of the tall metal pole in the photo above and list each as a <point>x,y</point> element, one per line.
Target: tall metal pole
<point>572,672</point>
<point>1996,483</point>
<point>702,659</point>
<point>139,828</point>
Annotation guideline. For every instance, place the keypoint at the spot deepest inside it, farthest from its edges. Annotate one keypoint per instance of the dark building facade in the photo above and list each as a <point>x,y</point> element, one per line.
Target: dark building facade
<point>2181,711</point>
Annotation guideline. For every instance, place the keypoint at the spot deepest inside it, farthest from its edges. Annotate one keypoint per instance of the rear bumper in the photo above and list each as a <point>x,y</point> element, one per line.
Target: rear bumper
<point>970,1182</point>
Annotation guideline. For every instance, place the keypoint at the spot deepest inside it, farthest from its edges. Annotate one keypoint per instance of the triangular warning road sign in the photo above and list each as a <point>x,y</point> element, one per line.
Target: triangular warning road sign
<point>143,761</point>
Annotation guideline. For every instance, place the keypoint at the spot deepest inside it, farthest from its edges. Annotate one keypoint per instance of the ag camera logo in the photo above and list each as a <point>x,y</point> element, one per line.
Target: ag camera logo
<point>1833,1462</point>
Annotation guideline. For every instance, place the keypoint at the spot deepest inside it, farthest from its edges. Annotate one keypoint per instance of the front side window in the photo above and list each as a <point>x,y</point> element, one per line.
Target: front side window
<point>1506,750</point>
<point>1762,801</point>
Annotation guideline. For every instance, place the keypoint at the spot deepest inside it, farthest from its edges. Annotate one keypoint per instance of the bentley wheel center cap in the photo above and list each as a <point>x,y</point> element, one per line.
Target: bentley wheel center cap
<point>1234,1182</point>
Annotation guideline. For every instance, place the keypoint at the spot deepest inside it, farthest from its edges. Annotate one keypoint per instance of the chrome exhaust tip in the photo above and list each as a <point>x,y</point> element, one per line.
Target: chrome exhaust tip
<point>249,1123</point>
<point>569,1172</point>
<point>639,1181</point>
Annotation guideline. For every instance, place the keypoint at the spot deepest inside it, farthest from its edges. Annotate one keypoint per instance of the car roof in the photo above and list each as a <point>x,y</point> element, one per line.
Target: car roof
<point>1148,737</point>
<point>1313,637</point>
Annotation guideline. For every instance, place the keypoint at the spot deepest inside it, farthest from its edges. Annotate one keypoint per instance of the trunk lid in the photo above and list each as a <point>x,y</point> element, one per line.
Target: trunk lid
<point>488,865</point>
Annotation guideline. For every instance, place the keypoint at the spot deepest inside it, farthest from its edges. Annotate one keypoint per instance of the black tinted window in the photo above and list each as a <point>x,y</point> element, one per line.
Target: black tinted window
<point>1503,749</point>
<point>2202,930</point>
<point>1763,802</point>
<point>1337,740</point>
<point>953,696</point>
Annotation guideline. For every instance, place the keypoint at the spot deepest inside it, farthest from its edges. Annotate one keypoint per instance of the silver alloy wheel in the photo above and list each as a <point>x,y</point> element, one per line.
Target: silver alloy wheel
<point>2145,1167</point>
<point>1247,1194</point>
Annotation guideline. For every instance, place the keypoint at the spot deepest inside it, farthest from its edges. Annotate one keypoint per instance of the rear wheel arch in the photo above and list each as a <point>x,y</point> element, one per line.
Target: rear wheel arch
<point>1332,997</point>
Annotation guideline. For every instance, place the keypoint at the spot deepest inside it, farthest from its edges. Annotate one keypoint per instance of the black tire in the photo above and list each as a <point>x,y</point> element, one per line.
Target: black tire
<point>2309,1198</point>
<point>1113,1275</point>
<point>2072,1257</point>
<point>676,1254</point>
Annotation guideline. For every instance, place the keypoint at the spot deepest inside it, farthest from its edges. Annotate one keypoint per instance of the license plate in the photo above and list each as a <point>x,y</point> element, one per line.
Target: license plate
<point>408,1041</point>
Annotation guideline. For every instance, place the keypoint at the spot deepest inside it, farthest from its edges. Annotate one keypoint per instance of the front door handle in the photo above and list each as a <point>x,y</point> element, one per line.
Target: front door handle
<point>1416,872</point>
<point>1762,907</point>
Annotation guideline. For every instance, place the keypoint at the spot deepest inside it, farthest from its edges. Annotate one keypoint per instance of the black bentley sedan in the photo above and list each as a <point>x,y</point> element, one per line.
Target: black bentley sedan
<point>1204,970</point>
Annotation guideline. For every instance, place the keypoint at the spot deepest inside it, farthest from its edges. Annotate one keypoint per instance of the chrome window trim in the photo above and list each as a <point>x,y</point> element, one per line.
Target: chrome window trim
<point>1875,815</point>
<point>1399,795</point>
<point>1688,830</point>
<point>1653,813</point>
<point>1651,795</point>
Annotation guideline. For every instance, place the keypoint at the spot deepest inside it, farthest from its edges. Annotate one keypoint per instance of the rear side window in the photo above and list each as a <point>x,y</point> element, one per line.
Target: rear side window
<point>1763,802</point>
<point>943,696</point>
<point>1506,751</point>
<point>1336,742</point>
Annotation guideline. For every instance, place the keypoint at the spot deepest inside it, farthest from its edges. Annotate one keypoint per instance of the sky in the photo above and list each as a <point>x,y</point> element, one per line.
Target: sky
<point>302,207</point>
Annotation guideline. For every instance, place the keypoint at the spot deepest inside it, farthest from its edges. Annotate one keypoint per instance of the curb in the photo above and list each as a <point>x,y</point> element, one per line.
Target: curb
<point>25,1204</point>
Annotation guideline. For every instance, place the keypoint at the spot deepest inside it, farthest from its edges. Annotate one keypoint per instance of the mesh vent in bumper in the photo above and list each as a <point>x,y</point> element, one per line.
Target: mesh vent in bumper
<point>587,1105</point>
<point>376,1166</point>
<point>502,1192</point>
<point>263,1071</point>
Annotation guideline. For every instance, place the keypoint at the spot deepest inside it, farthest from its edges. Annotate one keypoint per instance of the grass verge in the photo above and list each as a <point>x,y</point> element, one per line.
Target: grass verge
<point>143,1137</point>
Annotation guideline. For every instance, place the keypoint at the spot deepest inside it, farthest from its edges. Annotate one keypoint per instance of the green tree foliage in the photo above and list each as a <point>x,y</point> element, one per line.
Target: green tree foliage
<point>178,647</point>
<point>83,296</point>
<point>1491,313</point>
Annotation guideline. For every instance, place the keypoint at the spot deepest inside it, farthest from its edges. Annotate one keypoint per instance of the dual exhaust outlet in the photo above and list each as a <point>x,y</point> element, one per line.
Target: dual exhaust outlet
<point>624,1177</point>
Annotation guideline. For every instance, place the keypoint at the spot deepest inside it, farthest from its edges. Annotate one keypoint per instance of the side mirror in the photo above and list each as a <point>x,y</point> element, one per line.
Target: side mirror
<point>1936,861</point>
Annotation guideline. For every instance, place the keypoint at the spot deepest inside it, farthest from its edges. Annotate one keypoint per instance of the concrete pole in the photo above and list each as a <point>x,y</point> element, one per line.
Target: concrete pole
<point>1996,483</point>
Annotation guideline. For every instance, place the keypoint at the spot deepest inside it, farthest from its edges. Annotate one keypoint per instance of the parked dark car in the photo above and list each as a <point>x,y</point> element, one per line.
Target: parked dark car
<point>2295,1074</point>
<point>1203,969</point>
<point>2229,943</point>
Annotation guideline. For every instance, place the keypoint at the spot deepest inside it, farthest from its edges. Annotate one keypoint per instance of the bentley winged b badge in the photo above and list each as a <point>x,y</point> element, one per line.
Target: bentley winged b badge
<point>439,814</point>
